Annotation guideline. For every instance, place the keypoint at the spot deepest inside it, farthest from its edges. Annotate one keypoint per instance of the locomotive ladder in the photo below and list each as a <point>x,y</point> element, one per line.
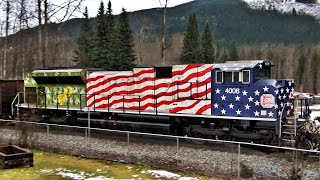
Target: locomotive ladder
<point>290,124</point>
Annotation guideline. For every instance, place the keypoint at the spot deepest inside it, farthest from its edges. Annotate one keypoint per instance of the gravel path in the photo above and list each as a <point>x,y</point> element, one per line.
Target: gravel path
<point>208,162</point>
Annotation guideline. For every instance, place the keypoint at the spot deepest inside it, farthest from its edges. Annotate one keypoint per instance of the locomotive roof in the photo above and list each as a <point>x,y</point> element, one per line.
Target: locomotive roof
<point>57,70</point>
<point>239,65</point>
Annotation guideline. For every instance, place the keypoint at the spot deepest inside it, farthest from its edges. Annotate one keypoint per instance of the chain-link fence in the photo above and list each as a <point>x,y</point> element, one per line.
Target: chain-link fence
<point>217,158</point>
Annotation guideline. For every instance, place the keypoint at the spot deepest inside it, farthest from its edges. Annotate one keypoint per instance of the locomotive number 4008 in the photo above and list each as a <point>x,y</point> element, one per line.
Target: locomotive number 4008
<point>232,91</point>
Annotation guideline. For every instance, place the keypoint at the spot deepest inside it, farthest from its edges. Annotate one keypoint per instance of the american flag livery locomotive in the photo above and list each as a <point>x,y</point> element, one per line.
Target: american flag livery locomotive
<point>235,99</point>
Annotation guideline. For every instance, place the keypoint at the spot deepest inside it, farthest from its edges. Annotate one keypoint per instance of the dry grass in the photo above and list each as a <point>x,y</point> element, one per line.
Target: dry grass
<point>92,168</point>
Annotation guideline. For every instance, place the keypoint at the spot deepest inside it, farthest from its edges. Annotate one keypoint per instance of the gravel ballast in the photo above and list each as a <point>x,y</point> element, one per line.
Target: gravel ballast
<point>217,163</point>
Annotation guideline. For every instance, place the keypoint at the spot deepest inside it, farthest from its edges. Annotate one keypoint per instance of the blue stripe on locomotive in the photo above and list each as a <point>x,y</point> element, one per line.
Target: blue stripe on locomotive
<point>262,98</point>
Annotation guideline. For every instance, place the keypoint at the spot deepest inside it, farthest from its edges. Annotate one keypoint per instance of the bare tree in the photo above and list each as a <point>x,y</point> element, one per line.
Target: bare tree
<point>7,26</point>
<point>164,31</point>
<point>50,11</point>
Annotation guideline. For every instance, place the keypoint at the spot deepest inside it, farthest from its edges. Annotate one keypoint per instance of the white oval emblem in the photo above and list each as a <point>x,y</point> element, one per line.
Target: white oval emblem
<point>267,101</point>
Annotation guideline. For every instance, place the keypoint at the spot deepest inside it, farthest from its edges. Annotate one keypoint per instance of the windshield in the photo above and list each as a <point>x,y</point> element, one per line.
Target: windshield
<point>262,74</point>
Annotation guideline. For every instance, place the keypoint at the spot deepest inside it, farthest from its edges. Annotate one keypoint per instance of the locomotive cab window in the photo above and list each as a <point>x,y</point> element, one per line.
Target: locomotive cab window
<point>262,74</point>
<point>246,76</point>
<point>231,77</point>
<point>219,77</point>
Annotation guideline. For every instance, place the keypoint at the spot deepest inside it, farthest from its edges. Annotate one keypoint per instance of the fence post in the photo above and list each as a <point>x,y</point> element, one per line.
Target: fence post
<point>47,129</point>
<point>177,155</point>
<point>89,123</point>
<point>239,169</point>
<point>128,145</point>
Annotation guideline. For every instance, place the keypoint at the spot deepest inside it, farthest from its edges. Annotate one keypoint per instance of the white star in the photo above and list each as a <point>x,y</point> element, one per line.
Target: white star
<point>292,106</point>
<point>260,66</point>
<point>290,83</point>
<point>282,104</point>
<point>284,96</point>
<point>287,90</point>
<point>257,103</point>
<point>276,91</point>
<point>271,114</point>
<point>281,90</point>
<point>223,111</point>
<point>279,113</point>
<point>216,105</point>
<point>276,106</point>
<point>257,93</point>
<point>223,97</point>
<point>250,99</point>
<point>237,98</point>
<point>238,112</point>
<point>217,91</point>
<point>279,97</point>
<point>247,106</point>
<point>231,106</point>
<point>288,103</point>
<point>292,89</point>
<point>256,113</point>
<point>265,89</point>
<point>244,93</point>
<point>288,112</point>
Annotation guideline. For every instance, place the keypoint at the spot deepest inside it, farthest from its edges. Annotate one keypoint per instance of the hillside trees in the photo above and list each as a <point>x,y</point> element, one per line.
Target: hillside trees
<point>207,45</point>
<point>233,52</point>
<point>196,48</point>
<point>99,44</point>
<point>191,51</point>
<point>84,42</point>
<point>112,45</point>
<point>125,53</point>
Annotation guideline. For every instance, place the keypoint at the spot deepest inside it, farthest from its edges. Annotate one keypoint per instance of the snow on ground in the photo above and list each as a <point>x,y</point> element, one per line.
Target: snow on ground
<point>286,6</point>
<point>74,175</point>
<point>163,174</point>
<point>168,175</point>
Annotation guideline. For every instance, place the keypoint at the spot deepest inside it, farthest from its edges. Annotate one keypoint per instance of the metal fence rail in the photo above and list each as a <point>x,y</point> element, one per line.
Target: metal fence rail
<point>237,153</point>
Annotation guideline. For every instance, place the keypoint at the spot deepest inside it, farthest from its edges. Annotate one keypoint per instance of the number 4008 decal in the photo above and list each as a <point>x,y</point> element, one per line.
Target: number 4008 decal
<point>232,91</point>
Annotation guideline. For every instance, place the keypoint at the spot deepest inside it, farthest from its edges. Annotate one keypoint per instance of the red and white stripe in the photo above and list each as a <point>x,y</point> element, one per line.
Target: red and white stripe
<point>140,90</point>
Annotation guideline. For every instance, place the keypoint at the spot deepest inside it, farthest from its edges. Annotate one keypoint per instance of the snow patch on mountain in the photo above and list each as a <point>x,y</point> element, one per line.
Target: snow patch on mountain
<point>286,6</point>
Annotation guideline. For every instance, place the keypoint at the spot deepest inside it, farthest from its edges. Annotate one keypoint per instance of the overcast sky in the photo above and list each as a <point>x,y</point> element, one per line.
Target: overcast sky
<point>129,5</point>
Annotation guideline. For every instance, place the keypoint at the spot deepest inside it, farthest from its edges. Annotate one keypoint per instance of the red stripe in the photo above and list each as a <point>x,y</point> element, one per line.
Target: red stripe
<point>136,91</point>
<point>194,75</point>
<point>149,71</point>
<point>177,109</point>
<point>106,81</point>
<point>203,108</point>
<point>187,68</point>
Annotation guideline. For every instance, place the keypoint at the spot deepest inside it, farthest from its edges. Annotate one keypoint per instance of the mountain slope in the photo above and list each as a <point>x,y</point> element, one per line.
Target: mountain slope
<point>231,20</point>
<point>287,6</point>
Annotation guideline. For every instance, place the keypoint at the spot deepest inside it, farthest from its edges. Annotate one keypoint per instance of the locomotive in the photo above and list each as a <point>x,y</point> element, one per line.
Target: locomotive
<point>235,100</point>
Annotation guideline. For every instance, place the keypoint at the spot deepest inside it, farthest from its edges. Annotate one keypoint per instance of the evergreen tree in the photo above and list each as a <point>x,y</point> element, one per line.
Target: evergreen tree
<point>84,42</point>
<point>98,56</point>
<point>125,52</point>
<point>104,46</point>
<point>207,45</point>
<point>234,52</point>
<point>191,51</point>
<point>110,38</point>
<point>294,12</point>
